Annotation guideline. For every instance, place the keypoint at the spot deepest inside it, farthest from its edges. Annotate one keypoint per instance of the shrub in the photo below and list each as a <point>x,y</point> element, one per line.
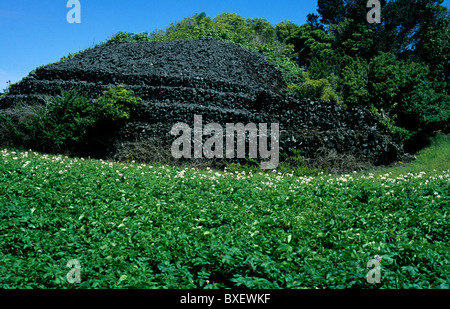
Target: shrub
<point>68,122</point>
<point>59,122</point>
<point>64,123</point>
<point>115,104</point>
<point>354,83</point>
<point>9,133</point>
<point>416,102</point>
<point>315,89</point>
<point>388,122</point>
<point>429,108</point>
<point>130,37</point>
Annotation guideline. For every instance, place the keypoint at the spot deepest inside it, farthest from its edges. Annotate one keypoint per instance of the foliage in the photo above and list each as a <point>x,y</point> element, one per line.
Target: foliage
<point>354,83</point>
<point>402,88</point>
<point>315,89</point>
<point>128,36</point>
<point>61,123</point>
<point>388,122</point>
<point>426,108</point>
<point>231,22</point>
<point>400,65</point>
<point>285,30</point>
<point>66,122</point>
<point>115,104</point>
<point>143,226</point>
<point>309,43</point>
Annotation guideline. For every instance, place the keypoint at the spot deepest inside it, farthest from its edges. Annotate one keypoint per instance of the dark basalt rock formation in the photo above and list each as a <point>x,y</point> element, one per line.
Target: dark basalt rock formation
<point>220,81</point>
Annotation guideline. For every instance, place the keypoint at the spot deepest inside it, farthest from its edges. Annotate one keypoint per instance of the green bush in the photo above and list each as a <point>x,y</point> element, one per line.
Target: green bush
<point>64,123</point>
<point>115,104</point>
<point>354,83</point>
<point>70,121</point>
<point>129,36</point>
<point>315,89</point>
<point>429,109</point>
<point>388,122</point>
<point>404,89</point>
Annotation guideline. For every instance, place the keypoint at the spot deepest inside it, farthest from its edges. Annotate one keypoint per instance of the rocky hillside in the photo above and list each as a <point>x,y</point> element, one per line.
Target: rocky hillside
<point>220,81</point>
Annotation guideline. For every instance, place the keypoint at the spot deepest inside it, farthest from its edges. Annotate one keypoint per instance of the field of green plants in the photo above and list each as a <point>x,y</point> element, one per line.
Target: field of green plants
<point>133,225</point>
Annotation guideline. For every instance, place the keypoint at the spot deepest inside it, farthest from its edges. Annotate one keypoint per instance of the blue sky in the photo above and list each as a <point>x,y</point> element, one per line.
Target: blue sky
<point>34,33</point>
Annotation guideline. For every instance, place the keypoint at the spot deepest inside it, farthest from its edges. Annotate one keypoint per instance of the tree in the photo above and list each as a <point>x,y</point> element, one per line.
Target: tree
<point>311,43</point>
<point>335,11</point>
<point>432,39</point>
<point>353,39</point>
<point>355,83</point>
<point>331,11</point>
<point>313,21</point>
<point>261,31</point>
<point>285,30</point>
<point>402,88</point>
<point>230,22</point>
<point>188,28</point>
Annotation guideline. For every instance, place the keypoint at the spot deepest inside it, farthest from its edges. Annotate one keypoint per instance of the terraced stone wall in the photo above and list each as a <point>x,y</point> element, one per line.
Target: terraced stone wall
<point>222,82</point>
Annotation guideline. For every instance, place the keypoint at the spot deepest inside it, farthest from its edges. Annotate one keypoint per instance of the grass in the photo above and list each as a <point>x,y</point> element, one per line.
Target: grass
<point>434,157</point>
<point>136,225</point>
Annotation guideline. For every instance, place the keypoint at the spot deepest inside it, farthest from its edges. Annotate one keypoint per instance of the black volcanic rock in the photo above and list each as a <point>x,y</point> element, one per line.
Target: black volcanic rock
<point>220,81</point>
<point>154,69</point>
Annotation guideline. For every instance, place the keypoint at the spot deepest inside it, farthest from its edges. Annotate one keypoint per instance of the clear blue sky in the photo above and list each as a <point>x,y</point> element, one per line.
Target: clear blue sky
<point>34,33</point>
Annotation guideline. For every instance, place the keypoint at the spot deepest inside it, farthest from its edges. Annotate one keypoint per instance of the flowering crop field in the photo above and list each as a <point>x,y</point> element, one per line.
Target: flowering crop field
<point>134,225</point>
